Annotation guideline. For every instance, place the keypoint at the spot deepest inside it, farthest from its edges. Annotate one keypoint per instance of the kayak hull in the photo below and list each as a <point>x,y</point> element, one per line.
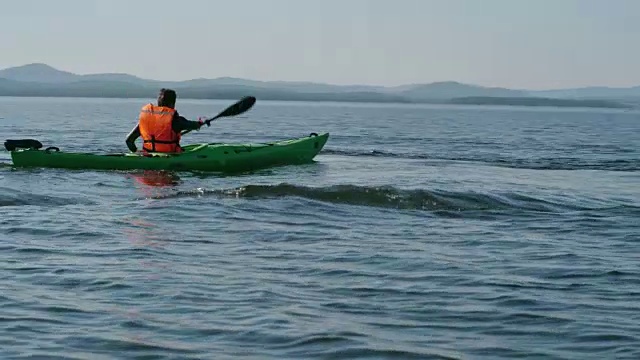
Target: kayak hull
<point>215,157</point>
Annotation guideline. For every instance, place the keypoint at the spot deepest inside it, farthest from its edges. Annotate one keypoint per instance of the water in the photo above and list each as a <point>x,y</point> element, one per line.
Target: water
<point>420,232</point>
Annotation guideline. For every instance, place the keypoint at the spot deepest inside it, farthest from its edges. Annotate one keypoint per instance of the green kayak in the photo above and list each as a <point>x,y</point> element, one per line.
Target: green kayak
<point>215,157</point>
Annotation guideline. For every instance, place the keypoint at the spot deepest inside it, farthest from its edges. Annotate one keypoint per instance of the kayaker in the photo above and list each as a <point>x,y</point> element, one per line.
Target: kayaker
<point>160,126</point>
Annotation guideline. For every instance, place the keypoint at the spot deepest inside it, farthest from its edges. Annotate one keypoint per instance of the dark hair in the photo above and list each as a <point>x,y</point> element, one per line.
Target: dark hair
<point>167,97</point>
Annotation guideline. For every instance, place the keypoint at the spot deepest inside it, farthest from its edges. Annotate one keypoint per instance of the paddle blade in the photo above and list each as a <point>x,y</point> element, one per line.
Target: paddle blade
<point>238,108</point>
<point>11,145</point>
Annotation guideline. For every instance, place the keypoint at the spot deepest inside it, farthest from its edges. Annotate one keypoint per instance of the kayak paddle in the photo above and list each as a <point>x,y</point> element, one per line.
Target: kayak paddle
<point>238,108</point>
<point>12,145</point>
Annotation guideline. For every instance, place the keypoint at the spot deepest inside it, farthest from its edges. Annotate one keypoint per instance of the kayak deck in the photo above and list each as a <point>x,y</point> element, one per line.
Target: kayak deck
<point>216,157</point>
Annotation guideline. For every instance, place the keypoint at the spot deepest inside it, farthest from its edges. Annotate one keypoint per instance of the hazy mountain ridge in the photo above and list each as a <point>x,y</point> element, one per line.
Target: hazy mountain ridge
<point>43,80</point>
<point>593,92</point>
<point>538,101</point>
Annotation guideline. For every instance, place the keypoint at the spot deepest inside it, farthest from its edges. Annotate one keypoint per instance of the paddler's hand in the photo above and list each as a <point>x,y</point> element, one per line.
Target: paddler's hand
<point>201,122</point>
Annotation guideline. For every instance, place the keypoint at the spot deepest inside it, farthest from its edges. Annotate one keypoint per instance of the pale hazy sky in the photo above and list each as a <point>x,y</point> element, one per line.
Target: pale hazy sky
<point>535,44</point>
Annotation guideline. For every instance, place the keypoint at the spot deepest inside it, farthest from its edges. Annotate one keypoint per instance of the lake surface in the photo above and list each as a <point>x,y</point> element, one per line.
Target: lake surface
<point>420,232</point>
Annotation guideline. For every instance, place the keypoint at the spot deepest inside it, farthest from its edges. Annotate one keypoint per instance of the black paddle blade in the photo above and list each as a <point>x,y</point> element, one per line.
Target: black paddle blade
<point>238,108</point>
<point>11,145</point>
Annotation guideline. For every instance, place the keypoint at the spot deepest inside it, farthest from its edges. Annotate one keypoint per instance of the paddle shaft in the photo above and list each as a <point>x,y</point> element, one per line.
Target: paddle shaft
<point>241,106</point>
<point>205,122</point>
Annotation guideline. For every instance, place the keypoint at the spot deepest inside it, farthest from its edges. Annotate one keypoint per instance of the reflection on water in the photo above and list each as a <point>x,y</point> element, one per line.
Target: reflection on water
<point>153,183</point>
<point>144,234</point>
<point>158,178</point>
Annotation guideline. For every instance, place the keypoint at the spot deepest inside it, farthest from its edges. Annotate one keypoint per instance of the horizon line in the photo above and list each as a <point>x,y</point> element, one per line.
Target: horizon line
<point>332,84</point>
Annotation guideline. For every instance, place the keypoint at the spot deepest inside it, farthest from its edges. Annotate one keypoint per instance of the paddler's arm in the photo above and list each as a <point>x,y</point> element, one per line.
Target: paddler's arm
<point>180,123</point>
<point>132,137</point>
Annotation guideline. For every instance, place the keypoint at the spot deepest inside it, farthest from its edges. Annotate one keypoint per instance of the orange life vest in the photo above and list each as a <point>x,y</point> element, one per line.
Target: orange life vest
<point>156,131</point>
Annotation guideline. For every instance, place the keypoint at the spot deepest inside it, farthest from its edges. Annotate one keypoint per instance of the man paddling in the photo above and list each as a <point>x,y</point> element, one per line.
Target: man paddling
<point>160,126</point>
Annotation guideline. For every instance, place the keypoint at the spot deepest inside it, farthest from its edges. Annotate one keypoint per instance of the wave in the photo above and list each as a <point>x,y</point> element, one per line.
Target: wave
<point>392,197</point>
<point>11,197</point>
<point>557,163</point>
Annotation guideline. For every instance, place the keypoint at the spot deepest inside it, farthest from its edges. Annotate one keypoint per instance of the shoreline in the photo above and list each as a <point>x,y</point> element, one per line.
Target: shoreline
<point>526,102</point>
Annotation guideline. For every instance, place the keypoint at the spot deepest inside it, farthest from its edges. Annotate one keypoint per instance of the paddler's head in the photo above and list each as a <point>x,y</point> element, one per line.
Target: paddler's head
<point>167,97</point>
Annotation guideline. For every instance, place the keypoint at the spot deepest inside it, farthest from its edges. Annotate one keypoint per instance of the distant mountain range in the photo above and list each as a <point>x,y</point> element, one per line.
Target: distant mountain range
<point>43,80</point>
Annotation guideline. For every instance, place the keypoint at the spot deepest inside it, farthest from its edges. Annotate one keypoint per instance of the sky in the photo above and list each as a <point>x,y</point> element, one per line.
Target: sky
<point>522,44</point>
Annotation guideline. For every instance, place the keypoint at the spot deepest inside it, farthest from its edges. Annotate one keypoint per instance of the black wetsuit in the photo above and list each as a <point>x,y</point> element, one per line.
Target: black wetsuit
<point>178,124</point>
